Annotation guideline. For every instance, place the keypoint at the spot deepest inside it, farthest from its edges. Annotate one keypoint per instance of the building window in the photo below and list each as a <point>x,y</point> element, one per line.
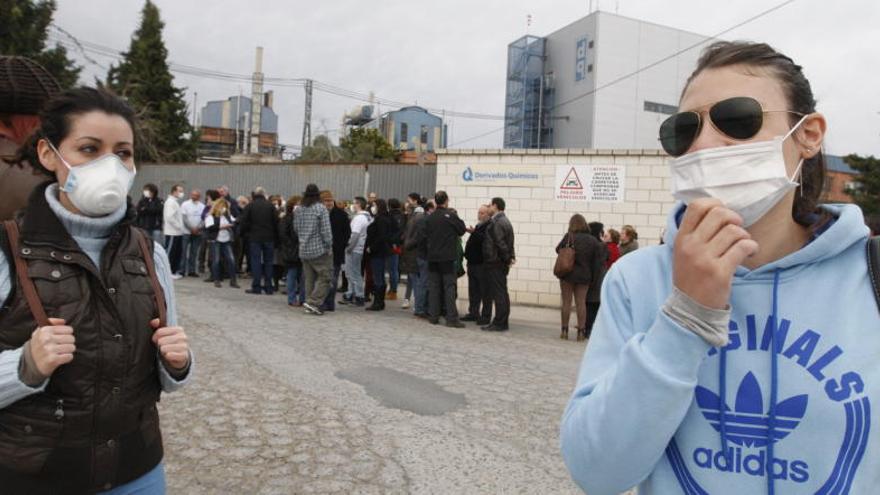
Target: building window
<point>591,44</point>
<point>651,106</point>
<point>424,134</point>
<point>404,130</point>
<point>590,68</point>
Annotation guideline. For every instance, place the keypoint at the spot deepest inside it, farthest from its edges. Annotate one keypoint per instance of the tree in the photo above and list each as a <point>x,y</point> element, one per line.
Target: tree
<point>24,28</point>
<point>366,145</point>
<point>144,79</point>
<point>866,194</point>
<point>322,150</point>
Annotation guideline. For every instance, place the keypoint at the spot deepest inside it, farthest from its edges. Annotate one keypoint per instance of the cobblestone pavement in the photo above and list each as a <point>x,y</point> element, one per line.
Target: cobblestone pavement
<point>354,402</point>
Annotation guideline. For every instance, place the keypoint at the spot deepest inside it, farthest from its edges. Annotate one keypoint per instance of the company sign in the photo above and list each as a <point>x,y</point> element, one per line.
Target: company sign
<point>580,64</point>
<point>591,183</point>
<point>501,175</point>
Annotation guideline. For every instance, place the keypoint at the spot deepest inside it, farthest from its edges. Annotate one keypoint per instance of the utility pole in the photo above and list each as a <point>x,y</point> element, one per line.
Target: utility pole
<point>307,122</point>
<point>195,107</point>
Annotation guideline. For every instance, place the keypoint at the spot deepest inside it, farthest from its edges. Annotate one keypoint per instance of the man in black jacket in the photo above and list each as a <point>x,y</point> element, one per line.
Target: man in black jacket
<point>340,226</point>
<point>259,222</point>
<point>478,293</point>
<point>442,238</point>
<point>150,210</point>
<point>498,256</point>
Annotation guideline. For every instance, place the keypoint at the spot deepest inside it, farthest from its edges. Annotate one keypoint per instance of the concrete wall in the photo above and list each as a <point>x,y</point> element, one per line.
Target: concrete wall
<point>540,221</point>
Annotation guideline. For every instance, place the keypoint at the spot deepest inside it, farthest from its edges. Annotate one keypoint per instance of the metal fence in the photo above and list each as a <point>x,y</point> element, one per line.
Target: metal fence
<point>346,181</point>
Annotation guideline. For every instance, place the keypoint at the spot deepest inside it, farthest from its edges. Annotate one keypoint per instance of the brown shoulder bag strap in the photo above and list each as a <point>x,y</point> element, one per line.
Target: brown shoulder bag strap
<point>27,285</point>
<point>158,292</point>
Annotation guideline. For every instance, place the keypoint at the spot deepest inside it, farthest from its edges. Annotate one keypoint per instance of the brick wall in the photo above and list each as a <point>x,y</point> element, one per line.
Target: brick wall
<point>540,221</point>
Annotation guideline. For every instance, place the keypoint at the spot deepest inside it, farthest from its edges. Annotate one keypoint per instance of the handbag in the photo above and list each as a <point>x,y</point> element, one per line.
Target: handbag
<point>564,259</point>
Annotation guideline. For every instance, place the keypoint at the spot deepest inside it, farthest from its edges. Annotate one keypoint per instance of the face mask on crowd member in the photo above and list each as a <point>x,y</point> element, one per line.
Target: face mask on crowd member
<point>374,210</point>
<point>94,163</point>
<point>148,194</point>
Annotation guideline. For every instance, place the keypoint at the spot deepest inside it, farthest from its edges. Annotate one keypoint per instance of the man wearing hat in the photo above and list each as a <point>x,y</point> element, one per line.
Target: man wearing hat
<point>25,86</point>
<point>312,226</point>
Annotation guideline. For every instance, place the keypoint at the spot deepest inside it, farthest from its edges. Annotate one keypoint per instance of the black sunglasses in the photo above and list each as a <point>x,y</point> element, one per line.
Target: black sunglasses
<point>740,117</point>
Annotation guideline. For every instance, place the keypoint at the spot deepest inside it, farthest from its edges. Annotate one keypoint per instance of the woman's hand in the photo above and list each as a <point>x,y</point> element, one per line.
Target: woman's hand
<point>709,246</point>
<point>52,346</point>
<point>173,345</point>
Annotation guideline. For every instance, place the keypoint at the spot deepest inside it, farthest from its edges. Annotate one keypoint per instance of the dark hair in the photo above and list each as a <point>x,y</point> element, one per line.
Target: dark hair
<point>153,189</point>
<point>311,196</point>
<point>429,205</point>
<point>175,186</point>
<point>799,95</point>
<point>577,223</point>
<point>441,198</point>
<point>361,202</point>
<point>499,203</point>
<point>615,236</point>
<point>212,194</point>
<point>630,231</point>
<point>596,228</point>
<point>381,207</point>
<point>393,204</point>
<point>56,120</point>
<point>415,197</point>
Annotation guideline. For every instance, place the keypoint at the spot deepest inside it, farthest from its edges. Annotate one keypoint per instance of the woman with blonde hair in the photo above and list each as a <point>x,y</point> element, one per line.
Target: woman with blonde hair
<point>220,224</point>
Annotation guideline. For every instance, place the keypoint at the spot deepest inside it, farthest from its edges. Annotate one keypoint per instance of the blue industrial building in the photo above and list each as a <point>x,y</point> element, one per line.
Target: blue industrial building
<point>411,129</point>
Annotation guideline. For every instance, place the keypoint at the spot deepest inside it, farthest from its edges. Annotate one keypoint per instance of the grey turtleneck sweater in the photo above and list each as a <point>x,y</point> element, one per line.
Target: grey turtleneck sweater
<point>91,234</point>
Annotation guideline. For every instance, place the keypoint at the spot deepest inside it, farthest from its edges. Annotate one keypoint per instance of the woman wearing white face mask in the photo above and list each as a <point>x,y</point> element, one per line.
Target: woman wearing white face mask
<point>739,357</point>
<point>88,330</point>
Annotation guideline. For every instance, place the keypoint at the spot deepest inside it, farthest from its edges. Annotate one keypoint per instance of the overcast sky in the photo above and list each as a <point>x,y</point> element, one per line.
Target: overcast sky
<point>452,54</point>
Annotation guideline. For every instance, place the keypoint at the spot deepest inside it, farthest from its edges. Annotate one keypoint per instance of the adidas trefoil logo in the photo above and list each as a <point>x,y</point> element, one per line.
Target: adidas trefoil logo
<point>748,424</point>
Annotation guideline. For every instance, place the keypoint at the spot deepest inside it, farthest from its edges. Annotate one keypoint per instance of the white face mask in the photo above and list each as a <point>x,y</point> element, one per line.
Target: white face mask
<point>374,210</point>
<point>98,187</point>
<point>148,194</point>
<point>748,178</point>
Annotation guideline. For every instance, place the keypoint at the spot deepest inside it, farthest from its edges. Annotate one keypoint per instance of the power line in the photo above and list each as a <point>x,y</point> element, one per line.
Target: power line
<point>641,69</point>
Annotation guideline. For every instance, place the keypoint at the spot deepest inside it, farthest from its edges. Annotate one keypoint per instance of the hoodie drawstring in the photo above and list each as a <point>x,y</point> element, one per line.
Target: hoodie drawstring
<point>722,389</point>
<point>771,427</point>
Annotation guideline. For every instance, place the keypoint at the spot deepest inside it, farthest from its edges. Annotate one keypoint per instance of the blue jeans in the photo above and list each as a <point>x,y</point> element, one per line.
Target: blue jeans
<point>330,301</point>
<point>378,264</point>
<point>190,253</point>
<point>262,259</point>
<point>222,250</point>
<point>393,271</point>
<point>354,274</point>
<point>296,287</point>
<point>420,287</point>
<point>157,236</point>
<point>152,483</point>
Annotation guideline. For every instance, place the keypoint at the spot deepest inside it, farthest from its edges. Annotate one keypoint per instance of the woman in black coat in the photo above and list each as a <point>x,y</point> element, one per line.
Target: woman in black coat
<point>381,235</point>
<point>577,283</point>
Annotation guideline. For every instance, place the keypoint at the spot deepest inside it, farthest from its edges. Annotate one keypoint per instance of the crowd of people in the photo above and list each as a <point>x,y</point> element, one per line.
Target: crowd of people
<point>326,251</point>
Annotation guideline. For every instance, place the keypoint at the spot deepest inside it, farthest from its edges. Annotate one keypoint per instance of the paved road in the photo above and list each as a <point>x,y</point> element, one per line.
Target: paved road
<point>355,402</point>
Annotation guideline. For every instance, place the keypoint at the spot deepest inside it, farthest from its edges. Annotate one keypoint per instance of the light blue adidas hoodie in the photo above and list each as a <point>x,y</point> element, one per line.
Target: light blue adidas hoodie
<point>652,398</point>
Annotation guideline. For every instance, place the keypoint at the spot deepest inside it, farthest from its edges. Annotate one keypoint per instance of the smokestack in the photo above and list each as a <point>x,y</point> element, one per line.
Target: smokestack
<point>256,102</point>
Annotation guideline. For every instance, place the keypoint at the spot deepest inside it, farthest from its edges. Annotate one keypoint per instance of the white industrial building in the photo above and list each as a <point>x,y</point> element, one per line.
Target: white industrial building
<point>569,89</point>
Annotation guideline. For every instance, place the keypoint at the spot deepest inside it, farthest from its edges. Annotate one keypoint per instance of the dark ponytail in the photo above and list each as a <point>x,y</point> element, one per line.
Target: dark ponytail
<point>800,99</point>
<point>56,119</point>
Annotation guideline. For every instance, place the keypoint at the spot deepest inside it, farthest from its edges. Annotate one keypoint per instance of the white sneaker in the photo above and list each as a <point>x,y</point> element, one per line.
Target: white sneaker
<point>176,276</point>
<point>404,304</point>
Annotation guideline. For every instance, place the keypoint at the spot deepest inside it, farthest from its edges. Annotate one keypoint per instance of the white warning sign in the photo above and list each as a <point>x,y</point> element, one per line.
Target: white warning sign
<point>590,183</point>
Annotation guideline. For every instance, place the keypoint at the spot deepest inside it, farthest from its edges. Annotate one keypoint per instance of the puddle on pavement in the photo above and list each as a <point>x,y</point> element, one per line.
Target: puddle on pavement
<point>398,390</point>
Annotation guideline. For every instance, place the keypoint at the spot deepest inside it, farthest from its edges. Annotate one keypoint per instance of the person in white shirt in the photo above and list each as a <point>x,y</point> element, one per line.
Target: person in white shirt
<point>219,225</point>
<point>192,210</point>
<point>354,253</point>
<point>174,229</point>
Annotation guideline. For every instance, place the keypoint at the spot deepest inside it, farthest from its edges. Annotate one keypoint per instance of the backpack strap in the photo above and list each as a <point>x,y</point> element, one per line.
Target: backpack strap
<point>158,292</point>
<point>873,255</point>
<point>27,285</point>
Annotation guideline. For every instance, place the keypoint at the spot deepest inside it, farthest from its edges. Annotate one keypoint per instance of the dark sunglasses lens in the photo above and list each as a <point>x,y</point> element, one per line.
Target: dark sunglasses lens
<point>739,118</point>
<point>677,133</point>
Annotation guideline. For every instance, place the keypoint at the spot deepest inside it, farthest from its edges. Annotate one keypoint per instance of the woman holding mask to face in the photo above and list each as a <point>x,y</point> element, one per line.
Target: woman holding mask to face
<point>739,357</point>
<point>88,335</point>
